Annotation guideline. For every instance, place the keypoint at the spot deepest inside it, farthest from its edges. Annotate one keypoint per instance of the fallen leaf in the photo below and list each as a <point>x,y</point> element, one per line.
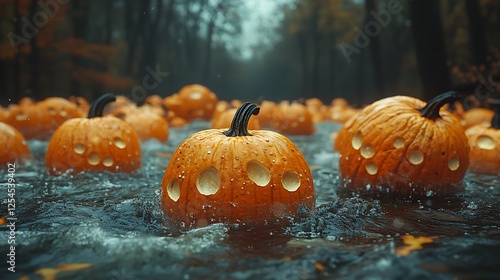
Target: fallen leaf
<point>413,243</point>
<point>50,273</point>
<point>3,220</point>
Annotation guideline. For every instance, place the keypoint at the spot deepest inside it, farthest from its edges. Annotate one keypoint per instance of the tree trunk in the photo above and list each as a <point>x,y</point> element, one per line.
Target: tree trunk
<point>476,32</point>
<point>34,56</point>
<point>17,59</point>
<point>429,47</point>
<point>375,51</point>
<point>80,19</point>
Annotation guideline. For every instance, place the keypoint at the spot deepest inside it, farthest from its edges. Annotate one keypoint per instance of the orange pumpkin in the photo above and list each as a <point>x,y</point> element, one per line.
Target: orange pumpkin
<point>293,119</point>
<point>95,143</point>
<point>476,116</point>
<point>192,102</point>
<point>237,176</point>
<point>39,120</point>
<point>485,146</point>
<point>340,111</point>
<point>14,145</point>
<point>268,109</point>
<point>405,145</point>
<point>317,109</point>
<point>147,124</point>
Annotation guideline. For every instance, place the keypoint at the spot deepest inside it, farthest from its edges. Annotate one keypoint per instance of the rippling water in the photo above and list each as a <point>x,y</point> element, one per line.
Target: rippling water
<point>114,223</point>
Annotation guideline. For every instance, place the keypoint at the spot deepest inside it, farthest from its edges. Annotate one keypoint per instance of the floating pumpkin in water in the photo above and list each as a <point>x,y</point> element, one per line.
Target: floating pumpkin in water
<point>340,111</point>
<point>485,146</point>
<point>236,176</point>
<point>96,143</point>
<point>476,116</point>
<point>39,120</point>
<point>14,145</point>
<point>147,123</point>
<point>267,111</point>
<point>293,119</point>
<point>405,145</point>
<point>224,120</point>
<point>192,102</point>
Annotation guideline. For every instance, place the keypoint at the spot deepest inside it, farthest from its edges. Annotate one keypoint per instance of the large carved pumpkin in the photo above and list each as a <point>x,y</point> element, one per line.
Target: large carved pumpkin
<point>236,176</point>
<point>404,145</point>
<point>96,143</point>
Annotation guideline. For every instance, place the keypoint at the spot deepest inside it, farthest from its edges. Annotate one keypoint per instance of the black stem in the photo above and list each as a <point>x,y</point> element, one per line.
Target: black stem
<point>495,106</point>
<point>239,125</point>
<point>97,107</point>
<point>431,109</point>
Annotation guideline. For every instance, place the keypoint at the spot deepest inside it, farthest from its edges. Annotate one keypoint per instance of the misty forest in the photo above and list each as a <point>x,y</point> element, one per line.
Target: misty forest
<point>248,50</point>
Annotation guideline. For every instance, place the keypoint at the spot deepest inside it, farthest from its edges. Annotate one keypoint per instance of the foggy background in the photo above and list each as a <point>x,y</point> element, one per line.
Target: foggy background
<point>248,49</point>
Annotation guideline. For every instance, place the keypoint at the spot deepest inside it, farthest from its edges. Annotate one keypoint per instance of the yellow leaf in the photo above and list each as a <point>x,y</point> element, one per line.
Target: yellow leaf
<point>3,220</point>
<point>50,273</point>
<point>413,243</point>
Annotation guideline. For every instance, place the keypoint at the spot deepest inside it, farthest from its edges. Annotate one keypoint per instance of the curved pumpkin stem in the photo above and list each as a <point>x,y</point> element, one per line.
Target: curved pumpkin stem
<point>431,110</point>
<point>97,107</point>
<point>239,125</point>
<point>495,105</point>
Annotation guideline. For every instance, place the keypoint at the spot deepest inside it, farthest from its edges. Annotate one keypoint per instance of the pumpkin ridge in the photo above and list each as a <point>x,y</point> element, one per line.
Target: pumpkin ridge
<point>407,146</point>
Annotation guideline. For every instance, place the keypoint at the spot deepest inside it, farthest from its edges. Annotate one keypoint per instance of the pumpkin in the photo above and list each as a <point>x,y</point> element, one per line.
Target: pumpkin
<point>485,145</point>
<point>95,143</point>
<point>39,120</point>
<point>224,119</point>
<point>293,119</point>
<point>476,116</point>
<point>237,176</point>
<point>317,109</point>
<point>14,145</point>
<point>192,102</point>
<point>405,145</point>
<point>340,111</point>
<point>147,123</point>
<point>267,112</point>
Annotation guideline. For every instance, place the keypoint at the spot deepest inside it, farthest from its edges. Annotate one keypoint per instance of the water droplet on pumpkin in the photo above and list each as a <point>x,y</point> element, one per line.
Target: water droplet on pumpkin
<point>209,152</point>
<point>356,141</point>
<point>107,161</point>
<point>290,181</point>
<point>367,151</point>
<point>95,139</point>
<point>119,143</point>
<point>453,164</point>
<point>294,124</point>
<point>399,142</point>
<point>93,158</point>
<point>209,181</point>
<point>302,119</point>
<point>52,111</point>
<point>63,113</point>
<point>79,148</point>
<point>371,168</point>
<point>258,173</point>
<point>416,157</point>
<point>486,143</point>
<point>174,190</point>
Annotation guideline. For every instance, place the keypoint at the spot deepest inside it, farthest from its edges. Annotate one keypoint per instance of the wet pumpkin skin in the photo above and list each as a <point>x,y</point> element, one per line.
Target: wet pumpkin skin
<point>403,145</point>
<point>14,145</point>
<point>254,178</point>
<point>96,143</point>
